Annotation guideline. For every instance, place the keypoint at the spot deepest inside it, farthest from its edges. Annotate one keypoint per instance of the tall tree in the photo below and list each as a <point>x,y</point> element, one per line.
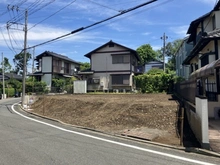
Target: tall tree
<point>7,65</point>
<point>19,61</point>
<point>170,51</point>
<point>146,53</point>
<point>84,66</point>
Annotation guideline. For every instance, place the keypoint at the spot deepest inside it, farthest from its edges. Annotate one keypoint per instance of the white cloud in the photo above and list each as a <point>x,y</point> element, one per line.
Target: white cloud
<point>146,33</point>
<point>118,27</point>
<point>42,33</point>
<point>179,30</point>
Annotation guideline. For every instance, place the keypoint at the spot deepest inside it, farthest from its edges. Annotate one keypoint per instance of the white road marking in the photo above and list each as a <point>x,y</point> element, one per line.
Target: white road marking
<point>114,142</point>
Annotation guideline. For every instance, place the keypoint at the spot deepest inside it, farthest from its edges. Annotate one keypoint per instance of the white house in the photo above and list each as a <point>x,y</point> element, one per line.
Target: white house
<point>52,65</point>
<point>113,67</point>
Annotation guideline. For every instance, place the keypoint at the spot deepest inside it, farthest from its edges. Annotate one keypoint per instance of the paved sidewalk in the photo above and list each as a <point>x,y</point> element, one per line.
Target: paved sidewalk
<point>214,135</point>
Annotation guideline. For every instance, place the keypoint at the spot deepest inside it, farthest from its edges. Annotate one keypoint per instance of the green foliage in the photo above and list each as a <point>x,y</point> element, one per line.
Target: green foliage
<point>155,71</point>
<point>7,66</point>
<point>154,81</point>
<point>178,79</point>
<point>36,87</point>
<point>58,82</point>
<point>146,53</point>
<point>59,85</point>
<point>84,66</point>
<point>170,50</point>
<point>14,83</point>
<point>19,61</point>
<point>10,92</point>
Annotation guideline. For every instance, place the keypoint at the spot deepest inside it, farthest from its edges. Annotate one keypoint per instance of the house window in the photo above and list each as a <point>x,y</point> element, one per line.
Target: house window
<point>120,79</point>
<point>66,68</point>
<point>204,60</point>
<point>57,65</point>
<point>120,59</point>
<point>196,66</point>
<point>191,68</point>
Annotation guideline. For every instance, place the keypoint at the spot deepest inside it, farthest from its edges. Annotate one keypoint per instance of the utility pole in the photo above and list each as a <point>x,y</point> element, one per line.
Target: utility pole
<point>3,77</point>
<point>164,38</point>
<point>33,60</point>
<point>25,54</point>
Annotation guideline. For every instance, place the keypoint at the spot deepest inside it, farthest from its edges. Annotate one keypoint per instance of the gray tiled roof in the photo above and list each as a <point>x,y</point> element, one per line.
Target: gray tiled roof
<point>213,34</point>
<point>11,75</point>
<point>57,55</point>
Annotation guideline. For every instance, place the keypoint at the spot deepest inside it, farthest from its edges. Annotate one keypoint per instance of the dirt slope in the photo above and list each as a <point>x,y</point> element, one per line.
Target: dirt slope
<point>115,113</point>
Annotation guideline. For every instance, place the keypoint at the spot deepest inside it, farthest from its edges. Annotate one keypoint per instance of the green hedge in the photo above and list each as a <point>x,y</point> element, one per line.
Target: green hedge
<point>154,82</point>
<point>10,92</point>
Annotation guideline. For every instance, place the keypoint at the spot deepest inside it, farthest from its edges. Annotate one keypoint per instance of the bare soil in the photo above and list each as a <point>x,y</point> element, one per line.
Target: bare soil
<point>115,113</point>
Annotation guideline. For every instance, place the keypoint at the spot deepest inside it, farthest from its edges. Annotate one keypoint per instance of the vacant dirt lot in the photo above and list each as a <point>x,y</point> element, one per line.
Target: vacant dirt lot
<point>152,114</point>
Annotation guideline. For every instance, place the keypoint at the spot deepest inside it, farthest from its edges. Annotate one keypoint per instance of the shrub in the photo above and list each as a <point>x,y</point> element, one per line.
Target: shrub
<point>154,81</point>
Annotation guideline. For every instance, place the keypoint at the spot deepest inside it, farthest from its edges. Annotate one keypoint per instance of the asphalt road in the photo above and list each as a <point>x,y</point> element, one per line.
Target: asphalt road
<point>30,140</point>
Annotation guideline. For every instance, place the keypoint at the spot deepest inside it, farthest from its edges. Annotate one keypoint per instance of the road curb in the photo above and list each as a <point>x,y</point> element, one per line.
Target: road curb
<point>138,139</point>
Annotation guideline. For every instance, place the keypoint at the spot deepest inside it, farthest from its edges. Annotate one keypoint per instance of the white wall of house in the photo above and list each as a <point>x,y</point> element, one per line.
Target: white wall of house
<point>73,66</point>
<point>213,107</point>
<point>217,19</point>
<point>103,62</point>
<point>208,24</point>
<point>209,47</point>
<point>105,81</point>
<point>211,58</point>
<point>46,64</point>
<point>47,78</point>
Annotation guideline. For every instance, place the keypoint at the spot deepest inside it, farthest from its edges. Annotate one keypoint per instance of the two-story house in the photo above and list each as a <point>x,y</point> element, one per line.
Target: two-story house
<point>203,59</point>
<point>52,65</point>
<point>181,54</point>
<point>113,67</point>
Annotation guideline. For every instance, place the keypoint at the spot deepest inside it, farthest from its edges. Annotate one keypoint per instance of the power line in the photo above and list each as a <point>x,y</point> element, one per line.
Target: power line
<point>86,30</point>
<point>6,41</point>
<point>99,22</point>
<point>53,14</point>
<point>33,8</point>
<point>103,5</point>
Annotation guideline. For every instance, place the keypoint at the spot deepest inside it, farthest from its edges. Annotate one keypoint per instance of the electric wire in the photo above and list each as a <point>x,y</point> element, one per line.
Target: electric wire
<point>6,40</point>
<point>96,23</point>
<point>103,5</point>
<point>86,29</point>
<point>11,41</point>
<point>53,14</point>
<point>33,8</point>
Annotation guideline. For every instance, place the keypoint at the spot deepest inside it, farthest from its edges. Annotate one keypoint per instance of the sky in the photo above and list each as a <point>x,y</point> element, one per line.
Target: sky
<point>49,19</point>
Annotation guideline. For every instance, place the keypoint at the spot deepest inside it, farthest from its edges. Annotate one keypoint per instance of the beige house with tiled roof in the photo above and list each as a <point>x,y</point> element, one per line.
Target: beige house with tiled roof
<point>113,67</point>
